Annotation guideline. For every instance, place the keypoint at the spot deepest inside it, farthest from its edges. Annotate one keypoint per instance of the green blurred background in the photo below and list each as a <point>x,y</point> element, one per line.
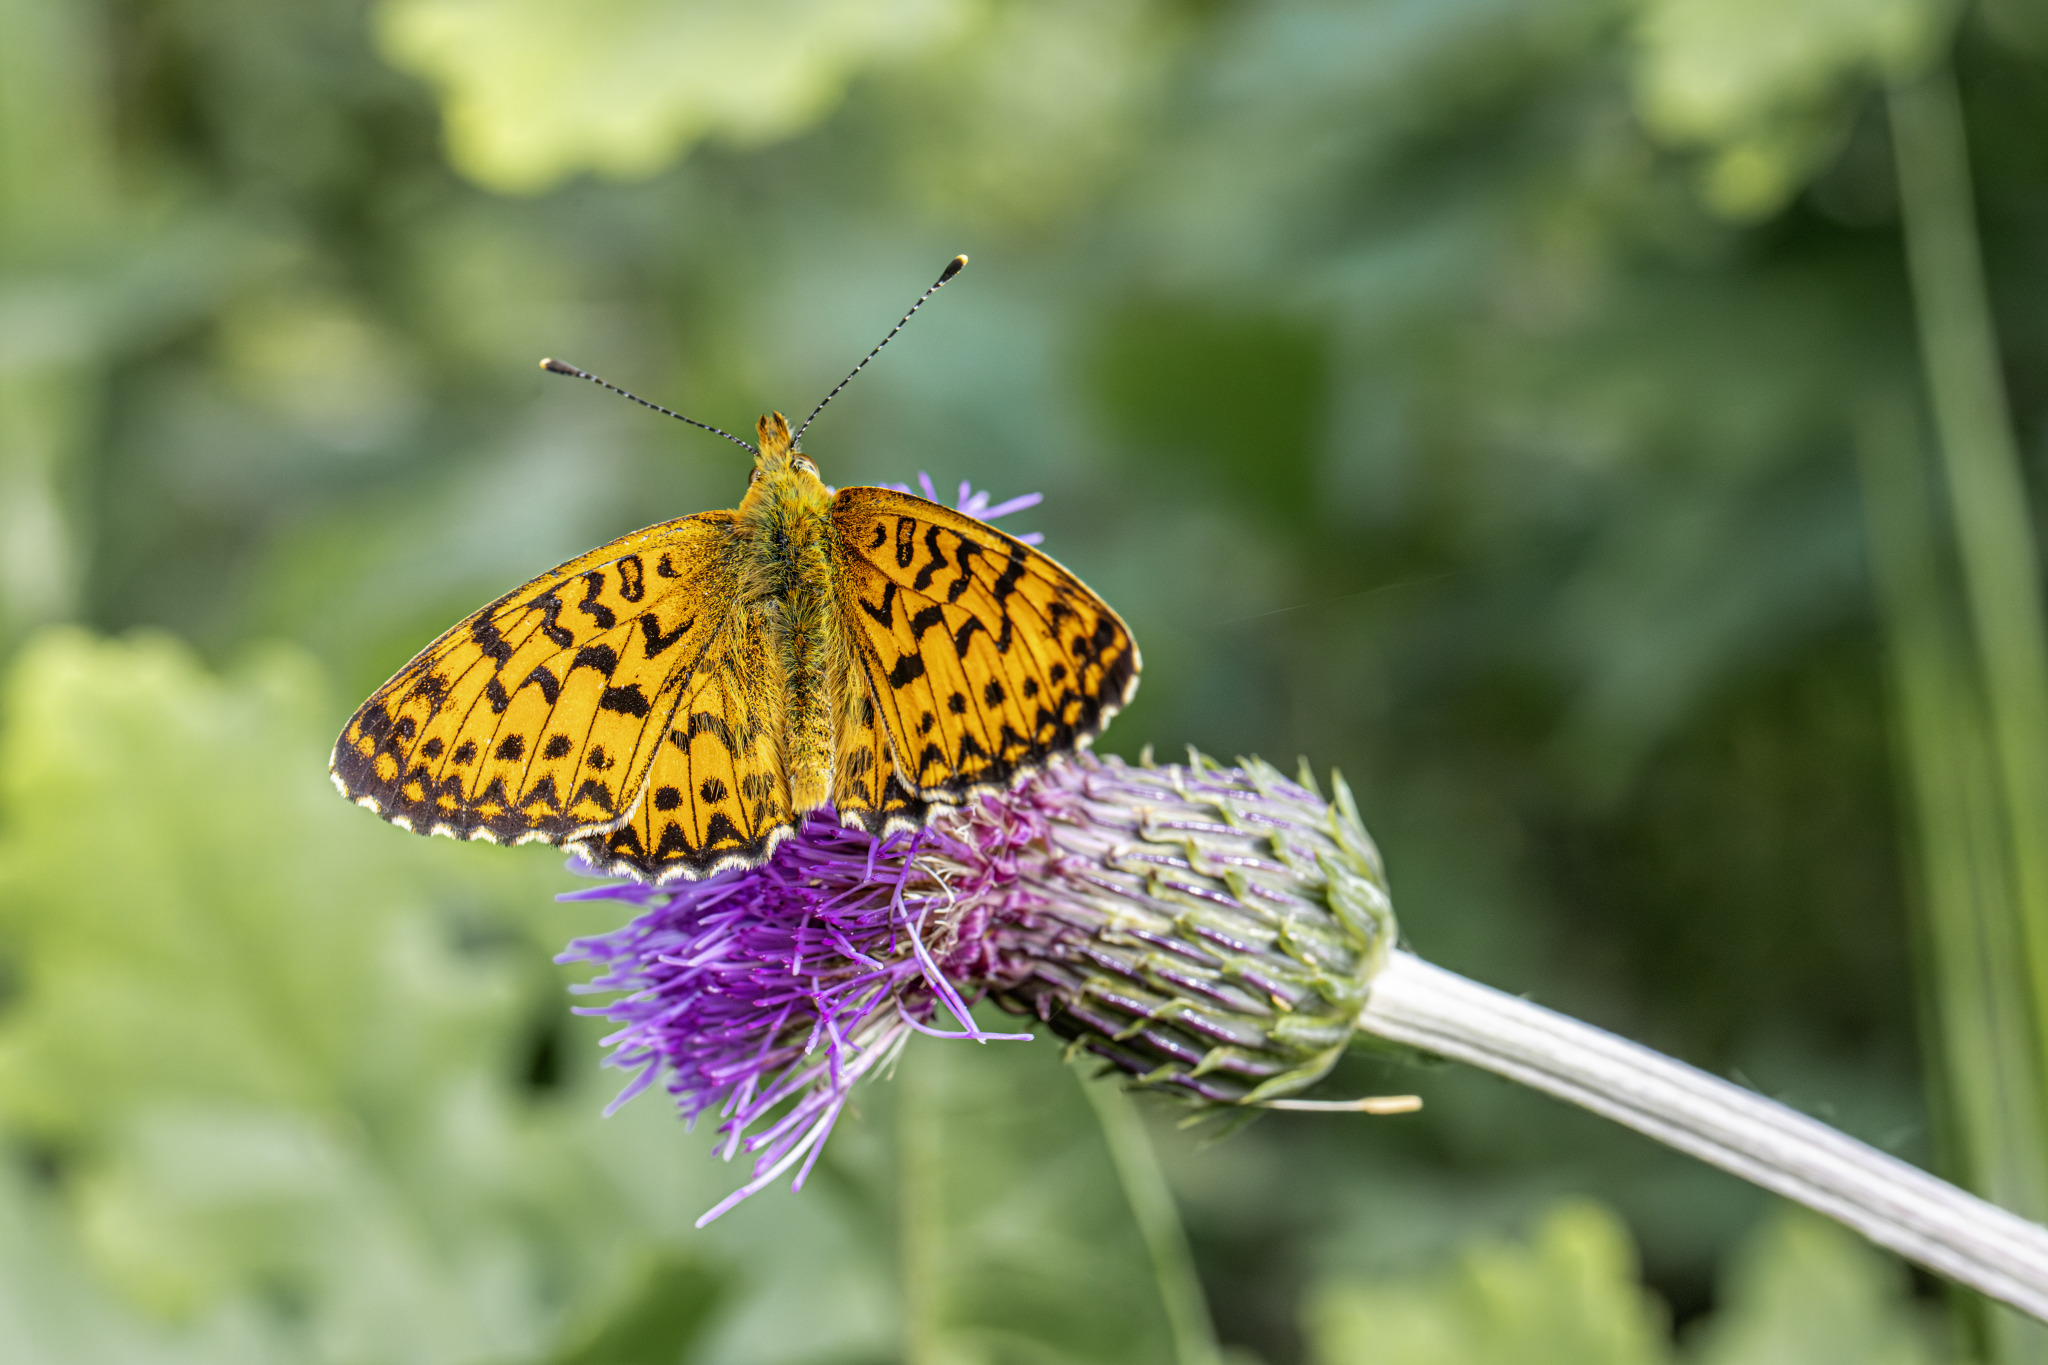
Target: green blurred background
<point>1558,414</point>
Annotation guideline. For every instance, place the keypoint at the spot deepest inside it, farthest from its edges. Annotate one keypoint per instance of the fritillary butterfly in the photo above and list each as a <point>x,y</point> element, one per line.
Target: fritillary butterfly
<point>669,704</point>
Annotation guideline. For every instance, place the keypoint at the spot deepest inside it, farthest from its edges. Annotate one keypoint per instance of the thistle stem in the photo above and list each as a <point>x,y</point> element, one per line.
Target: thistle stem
<point>1892,1203</point>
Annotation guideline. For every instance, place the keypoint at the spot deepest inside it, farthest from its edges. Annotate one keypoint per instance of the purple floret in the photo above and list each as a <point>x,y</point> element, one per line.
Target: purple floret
<point>780,985</point>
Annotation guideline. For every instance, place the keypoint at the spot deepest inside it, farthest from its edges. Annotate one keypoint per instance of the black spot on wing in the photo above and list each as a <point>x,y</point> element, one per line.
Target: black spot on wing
<point>704,722</point>
<point>883,615</point>
<point>674,845</point>
<point>550,605</point>
<point>963,557</point>
<point>489,640</point>
<point>603,658</point>
<point>1013,574</point>
<point>632,578</point>
<point>593,584</point>
<point>923,581</point>
<point>627,700</point>
<point>545,680</point>
<point>651,634</point>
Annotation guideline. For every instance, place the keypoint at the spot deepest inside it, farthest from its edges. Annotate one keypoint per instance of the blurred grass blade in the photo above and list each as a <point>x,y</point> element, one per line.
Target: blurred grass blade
<point>1152,1204</point>
<point>1993,532</point>
<point>1018,1238</point>
<point>54,157</point>
<point>1981,1043</point>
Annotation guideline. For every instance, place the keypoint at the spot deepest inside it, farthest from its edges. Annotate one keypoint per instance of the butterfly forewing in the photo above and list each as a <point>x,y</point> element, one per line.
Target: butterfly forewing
<point>539,716</point>
<point>983,657</point>
<point>715,794</point>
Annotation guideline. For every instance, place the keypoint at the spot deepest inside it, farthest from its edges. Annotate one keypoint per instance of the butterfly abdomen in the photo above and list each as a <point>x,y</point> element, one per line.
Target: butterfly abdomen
<point>788,577</point>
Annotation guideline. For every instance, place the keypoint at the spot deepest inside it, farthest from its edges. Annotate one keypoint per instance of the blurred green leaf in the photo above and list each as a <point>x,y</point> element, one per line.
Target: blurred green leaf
<point>536,91</point>
<point>658,1322</point>
<point>267,1042</point>
<point>1766,87</point>
<point>1568,1297</point>
<point>1804,1291</point>
<point>53,1311</point>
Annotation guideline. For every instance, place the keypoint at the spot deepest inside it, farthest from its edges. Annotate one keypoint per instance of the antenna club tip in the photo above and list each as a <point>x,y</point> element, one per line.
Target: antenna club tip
<point>553,366</point>
<point>953,267</point>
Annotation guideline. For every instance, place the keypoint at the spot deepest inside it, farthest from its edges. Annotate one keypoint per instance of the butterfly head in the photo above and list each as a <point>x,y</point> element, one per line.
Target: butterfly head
<point>781,471</point>
<point>778,453</point>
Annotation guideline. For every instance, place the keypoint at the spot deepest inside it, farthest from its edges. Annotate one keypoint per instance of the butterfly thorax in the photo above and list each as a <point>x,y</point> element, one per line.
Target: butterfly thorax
<point>787,588</point>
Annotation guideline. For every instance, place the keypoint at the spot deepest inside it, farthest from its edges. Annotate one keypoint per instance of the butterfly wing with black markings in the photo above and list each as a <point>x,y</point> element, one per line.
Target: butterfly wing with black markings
<point>716,795</point>
<point>983,658</point>
<point>540,716</point>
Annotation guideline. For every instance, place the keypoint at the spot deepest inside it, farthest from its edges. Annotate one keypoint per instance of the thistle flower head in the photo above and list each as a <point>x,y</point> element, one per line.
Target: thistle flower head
<point>1209,931</point>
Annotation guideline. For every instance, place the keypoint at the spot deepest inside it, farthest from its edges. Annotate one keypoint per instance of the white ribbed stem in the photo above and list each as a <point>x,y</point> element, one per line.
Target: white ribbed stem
<point>1892,1203</point>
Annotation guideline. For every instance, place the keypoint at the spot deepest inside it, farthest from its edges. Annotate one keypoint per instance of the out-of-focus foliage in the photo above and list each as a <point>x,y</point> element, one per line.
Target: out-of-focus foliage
<point>533,92</point>
<point>1799,1292</point>
<point>1772,89</point>
<point>1804,1292</point>
<point>1460,393</point>
<point>1568,1298</point>
<point>298,1090</point>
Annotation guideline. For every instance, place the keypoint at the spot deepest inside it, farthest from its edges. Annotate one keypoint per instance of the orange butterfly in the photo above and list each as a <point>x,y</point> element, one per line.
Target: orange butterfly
<point>669,704</point>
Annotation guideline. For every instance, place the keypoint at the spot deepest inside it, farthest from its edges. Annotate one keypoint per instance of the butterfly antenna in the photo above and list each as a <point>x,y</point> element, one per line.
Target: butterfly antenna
<point>953,267</point>
<point>563,367</point>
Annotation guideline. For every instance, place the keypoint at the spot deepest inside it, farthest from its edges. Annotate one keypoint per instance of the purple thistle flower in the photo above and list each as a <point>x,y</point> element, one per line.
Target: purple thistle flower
<point>1209,931</point>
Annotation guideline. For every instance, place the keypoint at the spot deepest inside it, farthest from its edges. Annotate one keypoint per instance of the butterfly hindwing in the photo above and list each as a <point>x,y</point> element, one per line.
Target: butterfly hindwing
<point>539,716</point>
<point>715,793</point>
<point>865,787</point>
<point>982,656</point>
